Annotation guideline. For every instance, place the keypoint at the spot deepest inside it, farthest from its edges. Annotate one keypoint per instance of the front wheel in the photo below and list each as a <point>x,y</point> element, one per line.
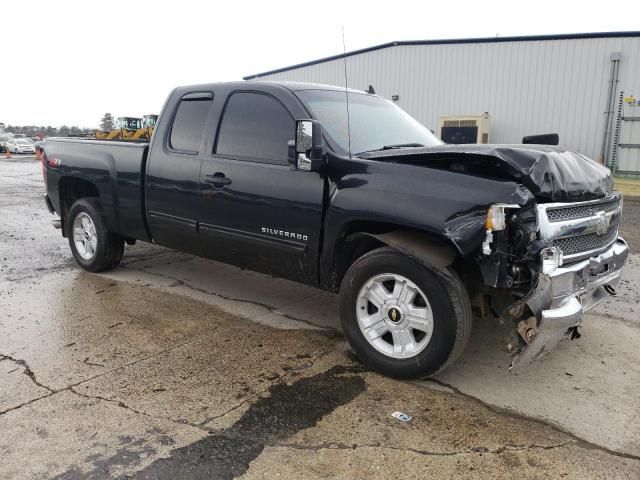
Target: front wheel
<point>402,318</point>
<point>94,247</point>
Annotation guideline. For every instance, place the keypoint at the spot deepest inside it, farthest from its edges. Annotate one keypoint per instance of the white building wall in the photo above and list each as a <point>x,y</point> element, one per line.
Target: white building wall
<point>528,87</point>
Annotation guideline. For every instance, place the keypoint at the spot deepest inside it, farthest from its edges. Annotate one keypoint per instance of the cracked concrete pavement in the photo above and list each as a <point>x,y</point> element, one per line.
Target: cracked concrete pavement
<point>177,367</point>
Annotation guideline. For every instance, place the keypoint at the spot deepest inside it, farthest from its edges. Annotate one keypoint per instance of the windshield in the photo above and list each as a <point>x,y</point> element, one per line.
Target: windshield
<point>23,141</point>
<point>374,121</point>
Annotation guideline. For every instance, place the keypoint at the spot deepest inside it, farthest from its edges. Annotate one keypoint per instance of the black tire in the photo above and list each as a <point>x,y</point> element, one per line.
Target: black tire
<point>446,295</point>
<point>110,246</point>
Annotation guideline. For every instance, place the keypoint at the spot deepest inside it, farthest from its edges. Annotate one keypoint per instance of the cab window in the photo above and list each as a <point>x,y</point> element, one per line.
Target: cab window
<point>189,122</point>
<point>255,127</point>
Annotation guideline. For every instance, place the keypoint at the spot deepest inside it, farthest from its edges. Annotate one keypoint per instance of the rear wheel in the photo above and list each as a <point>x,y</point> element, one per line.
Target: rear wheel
<point>94,247</point>
<point>402,318</point>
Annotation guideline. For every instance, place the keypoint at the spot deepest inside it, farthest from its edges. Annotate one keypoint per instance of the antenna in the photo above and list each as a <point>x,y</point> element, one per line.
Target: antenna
<point>346,90</point>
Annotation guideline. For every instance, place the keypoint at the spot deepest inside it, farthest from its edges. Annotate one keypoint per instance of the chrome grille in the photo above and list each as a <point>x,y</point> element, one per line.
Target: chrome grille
<point>586,243</point>
<point>558,214</point>
<point>582,229</point>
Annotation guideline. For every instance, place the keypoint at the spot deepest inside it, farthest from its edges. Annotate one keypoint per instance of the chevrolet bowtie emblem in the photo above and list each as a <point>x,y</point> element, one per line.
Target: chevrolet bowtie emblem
<point>602,224</point>
<point>394,314</point>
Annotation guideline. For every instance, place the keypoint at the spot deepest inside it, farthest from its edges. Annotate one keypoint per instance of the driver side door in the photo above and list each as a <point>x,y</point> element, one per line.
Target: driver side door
<point>257,212</point>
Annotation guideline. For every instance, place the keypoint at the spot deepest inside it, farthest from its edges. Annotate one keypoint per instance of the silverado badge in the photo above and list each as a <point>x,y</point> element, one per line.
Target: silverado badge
<point>284,234</point>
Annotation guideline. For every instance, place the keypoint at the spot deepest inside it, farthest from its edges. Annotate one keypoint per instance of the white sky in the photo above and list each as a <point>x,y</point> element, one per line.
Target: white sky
<point>69,62</point>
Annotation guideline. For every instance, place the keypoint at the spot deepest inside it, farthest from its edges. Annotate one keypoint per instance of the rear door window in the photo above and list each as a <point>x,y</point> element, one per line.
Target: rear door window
<point>255,127</point>
<point>189,122</point>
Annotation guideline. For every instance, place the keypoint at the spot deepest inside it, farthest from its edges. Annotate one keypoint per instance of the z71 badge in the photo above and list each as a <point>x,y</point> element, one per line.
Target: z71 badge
<point>284,234</point>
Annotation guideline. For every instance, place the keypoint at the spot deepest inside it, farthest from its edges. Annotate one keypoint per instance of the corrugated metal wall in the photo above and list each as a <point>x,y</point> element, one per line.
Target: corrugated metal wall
<point>528,87</point>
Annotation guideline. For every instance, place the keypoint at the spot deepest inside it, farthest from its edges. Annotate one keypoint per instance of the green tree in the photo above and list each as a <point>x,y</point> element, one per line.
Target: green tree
<point>106,124</point>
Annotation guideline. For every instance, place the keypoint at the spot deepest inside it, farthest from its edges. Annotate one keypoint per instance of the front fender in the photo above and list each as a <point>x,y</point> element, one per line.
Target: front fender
<point>443,203</point>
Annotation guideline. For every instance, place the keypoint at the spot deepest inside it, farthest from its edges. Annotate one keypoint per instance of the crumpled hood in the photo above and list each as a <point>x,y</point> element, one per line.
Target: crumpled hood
<point>551,173</point>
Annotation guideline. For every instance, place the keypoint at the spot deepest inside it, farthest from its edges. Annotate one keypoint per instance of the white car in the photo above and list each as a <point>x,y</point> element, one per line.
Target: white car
<point>20,145</point>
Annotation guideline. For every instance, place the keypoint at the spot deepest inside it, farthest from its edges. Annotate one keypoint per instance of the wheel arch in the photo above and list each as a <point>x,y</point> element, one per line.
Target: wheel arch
<point>424,247</point>
<point>420,246</point>
<point>72,189</point>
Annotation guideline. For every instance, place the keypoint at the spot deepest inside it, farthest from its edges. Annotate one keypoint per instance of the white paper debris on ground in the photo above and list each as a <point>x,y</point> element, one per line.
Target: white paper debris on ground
<point>403,417</point>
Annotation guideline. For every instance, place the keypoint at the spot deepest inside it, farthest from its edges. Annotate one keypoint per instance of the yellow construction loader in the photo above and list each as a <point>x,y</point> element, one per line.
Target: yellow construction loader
<point>148,124</point>
<point>130,128</point>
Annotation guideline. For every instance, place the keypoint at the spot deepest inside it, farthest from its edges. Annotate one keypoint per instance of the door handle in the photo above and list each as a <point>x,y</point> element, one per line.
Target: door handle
<point>218,179</point>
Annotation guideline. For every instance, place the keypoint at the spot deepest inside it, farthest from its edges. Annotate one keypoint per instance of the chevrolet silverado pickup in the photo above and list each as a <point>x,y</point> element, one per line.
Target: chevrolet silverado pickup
<point>343,190</point>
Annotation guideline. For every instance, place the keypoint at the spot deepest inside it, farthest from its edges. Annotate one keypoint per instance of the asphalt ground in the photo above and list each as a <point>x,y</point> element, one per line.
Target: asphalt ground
<point>172,366</point>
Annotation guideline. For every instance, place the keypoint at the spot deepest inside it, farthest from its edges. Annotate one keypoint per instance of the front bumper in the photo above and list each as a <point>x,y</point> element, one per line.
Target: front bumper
<point>562,297</point>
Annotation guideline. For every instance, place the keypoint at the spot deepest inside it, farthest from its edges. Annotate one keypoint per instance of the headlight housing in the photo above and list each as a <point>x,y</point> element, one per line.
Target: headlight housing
<point>496,217</point>
<point>496,220</point>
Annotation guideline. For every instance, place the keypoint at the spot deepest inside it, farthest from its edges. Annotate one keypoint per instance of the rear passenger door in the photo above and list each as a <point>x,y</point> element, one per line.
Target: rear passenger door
<point>173,174</point>
<point>256,211</point>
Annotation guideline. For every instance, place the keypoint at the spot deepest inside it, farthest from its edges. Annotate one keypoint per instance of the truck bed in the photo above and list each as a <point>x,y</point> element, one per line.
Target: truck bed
<point>116,167</point>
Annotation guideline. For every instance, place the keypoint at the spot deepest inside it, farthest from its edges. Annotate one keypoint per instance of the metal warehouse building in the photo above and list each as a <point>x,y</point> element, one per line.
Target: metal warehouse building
<point>584,87</point>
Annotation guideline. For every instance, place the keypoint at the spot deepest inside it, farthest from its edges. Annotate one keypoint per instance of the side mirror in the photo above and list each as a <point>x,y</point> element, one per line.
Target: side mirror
<point>306,151</point>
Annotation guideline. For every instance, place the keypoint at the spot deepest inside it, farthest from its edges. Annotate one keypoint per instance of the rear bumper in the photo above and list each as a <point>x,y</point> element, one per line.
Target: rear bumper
<point>562,297</point>
<point>48,203</point>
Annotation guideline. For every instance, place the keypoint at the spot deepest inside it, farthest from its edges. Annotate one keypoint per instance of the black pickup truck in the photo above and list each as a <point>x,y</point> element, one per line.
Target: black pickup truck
<point>355,197</point>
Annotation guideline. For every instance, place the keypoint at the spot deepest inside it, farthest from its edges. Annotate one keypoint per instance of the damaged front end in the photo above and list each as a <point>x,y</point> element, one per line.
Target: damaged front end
<point>541,266</point>
<point>561,297</point>
<point>579,267</point>
<point>536,229</point>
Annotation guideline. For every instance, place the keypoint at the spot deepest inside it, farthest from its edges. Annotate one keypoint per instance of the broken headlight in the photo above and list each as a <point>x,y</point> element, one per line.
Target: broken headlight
<point>496,217</point>
<point>496,220</point>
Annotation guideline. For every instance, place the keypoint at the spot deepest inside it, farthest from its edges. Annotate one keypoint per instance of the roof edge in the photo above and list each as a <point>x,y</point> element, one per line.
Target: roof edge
<point>450,41</point>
